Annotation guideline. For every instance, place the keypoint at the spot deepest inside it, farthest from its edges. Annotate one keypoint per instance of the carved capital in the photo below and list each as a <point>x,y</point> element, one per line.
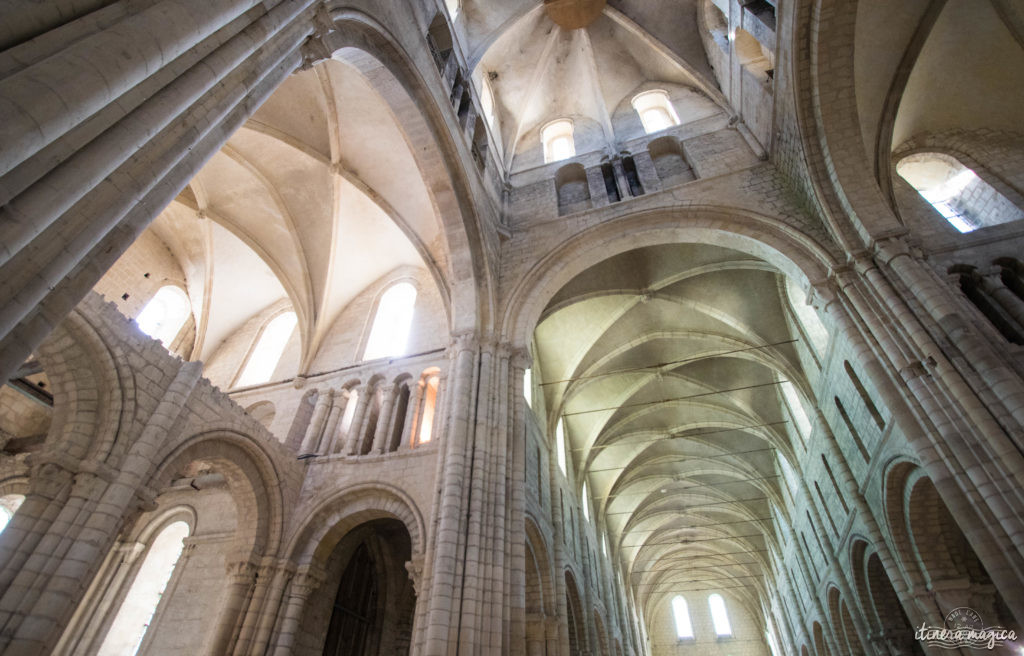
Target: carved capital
<point>415,569</point>
<point>467,341</point>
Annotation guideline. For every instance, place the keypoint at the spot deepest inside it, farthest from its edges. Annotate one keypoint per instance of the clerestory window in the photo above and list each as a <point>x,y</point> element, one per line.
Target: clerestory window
<point>956,192</point>
<point>560,444</point>
<point>9,505</point>
<point>655,110</point>
<point>719,616</point>
<point>136,612</point>
<point>266,355</point>
<point>557,138</point>
<point>389,335</point>
<point>681,615</point>
<point>164,314</point>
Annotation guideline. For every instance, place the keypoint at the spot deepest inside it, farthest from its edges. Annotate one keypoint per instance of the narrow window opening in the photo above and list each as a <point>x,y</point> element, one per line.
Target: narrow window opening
<point>852,430</point>
<point>164,314</point>
<point>133,618</point>
<point>9,505</point>
<point>528,387</point>
<point>560,445</point>
<point>835,487</point>
<point>807,318</point>
<point>796,409</point>
<point>863,393</point>
<point>828,514</point>
<point>681,615</point>
<point>557,138</point>
<point>719,616</point>
<point>390,333</point>
<point>586,501</point>
<point>655,110</point>
<point>268,351</point>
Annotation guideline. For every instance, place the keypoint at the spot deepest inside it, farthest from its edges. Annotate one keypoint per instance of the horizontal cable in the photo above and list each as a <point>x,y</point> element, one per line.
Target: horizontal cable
<point>688,541</point>
<point>703,580</point>
<point>692,487</point>
<point>683,528</point>
<point>682,436</point>
<point>675,398</point>
<point>670,363</point>
<point>703,505</point>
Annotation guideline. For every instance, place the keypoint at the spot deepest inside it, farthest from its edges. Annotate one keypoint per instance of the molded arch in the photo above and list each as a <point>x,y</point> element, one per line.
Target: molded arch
<point>253,477</point>
<point>333,515</point>
<point>791,251</point>
<point>415,106</point>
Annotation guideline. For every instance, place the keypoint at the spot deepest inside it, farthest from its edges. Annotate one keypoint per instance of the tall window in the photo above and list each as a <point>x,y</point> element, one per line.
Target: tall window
<point>528,387</point>
<point>655,110</point>
<point>956,192</point>
<point>560,444</point>
<point>139,605</point>
<point>557,138</point>
<point>268,351</point>
<point>719,617</point>
<point>807,317</point>
<point>390,332</point>
<point>586,501</point>
<point>165,314</point>
<point>9,505</point>
<point>796,409</point>
<point>681,615</point>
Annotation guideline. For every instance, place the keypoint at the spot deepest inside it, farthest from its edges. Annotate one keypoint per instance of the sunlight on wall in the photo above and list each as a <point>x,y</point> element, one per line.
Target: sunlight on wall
<point>136,612</point>
<point>264,358</point>
<point>390,332</point>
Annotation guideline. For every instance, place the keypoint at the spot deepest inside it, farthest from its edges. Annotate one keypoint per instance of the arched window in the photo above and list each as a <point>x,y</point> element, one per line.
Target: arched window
<point>9,505</point>
<point>528,387</point>
<point>586,501</point>
<point>956,192</point>
<point>719,616</point>
<point>560,444</point>
<point>453,8</point>
<point>796,409</point>
<point>390,332</point>
<point>807,318</point>
<point>557,138</point>
<point>133,618</point>
<point>268,351</point>
<point>164,314</point>
<point>655,110</point>
<point>681,615</point>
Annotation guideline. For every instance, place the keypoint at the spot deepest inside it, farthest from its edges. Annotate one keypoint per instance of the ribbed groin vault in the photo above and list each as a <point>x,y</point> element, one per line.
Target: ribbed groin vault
<point>518,327</point>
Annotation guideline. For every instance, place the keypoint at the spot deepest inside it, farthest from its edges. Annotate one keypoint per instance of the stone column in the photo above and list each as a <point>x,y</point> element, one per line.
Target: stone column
<point>177,95</point>
<point>241,576</point>
<point>412,413</point>
<point>331,425</point>
<point>380,435</point>
<point>445,594</point>
<point>307,579</point>
<point>336,440</point>
<point>311,442</point>
<point>355,436</point>
<point>992,284</point>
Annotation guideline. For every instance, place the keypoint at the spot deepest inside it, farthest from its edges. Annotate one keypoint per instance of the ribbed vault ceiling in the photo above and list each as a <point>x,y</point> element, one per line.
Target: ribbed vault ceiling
<point>539,71</point>
<point>665,363</point>
<point>314,199</point>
